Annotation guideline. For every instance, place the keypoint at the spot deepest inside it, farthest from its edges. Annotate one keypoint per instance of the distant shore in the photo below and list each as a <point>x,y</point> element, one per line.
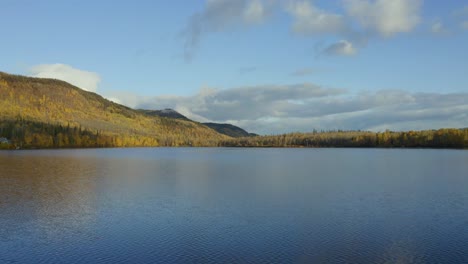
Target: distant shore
<point>434,139</point>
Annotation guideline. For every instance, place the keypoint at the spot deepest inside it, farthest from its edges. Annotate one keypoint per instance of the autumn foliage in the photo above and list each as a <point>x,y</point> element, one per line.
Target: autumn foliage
<point>46,113</point>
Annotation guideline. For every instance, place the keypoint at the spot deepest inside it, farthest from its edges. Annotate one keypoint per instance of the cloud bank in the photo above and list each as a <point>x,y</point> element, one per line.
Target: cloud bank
<point>85,80</point>
<point>303,107</point>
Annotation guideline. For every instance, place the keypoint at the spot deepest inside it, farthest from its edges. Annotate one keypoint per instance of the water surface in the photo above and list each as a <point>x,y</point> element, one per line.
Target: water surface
<point>202,205</point>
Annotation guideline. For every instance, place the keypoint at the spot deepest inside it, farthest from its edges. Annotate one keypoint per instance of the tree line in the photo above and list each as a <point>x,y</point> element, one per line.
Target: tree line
<point>442,138</point>
<point>32,134</point>
<point>26,134</point>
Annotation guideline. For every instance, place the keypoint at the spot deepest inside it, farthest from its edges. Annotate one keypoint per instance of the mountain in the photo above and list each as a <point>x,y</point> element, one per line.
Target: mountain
<point>41,113</point>
<point>229,130</point>
<point>225,129</point>
<point>169,113</point>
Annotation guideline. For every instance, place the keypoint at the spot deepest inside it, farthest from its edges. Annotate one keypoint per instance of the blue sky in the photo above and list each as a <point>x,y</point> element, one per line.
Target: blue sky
<point>279,65</point>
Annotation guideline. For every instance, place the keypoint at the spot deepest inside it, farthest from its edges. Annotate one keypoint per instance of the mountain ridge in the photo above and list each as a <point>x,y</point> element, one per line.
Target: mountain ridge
<point>222,128</point>
<point>167,112</point>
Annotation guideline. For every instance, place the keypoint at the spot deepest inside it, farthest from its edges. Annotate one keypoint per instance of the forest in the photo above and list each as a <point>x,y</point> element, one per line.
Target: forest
<point>30,134</point>
<point>441,138</point>
<point>24,134</point>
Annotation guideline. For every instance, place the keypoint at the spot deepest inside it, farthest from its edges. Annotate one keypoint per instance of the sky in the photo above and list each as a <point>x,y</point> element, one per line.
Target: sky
<point>269,66</point>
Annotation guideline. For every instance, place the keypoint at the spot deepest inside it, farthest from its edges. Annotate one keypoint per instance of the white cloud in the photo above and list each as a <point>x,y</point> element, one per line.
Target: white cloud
<point>363,20</point>
<point>303,107</point>
<point>85,80</point>
<point>342,48</point>
<point>310,19</point>
<point>386,17</point>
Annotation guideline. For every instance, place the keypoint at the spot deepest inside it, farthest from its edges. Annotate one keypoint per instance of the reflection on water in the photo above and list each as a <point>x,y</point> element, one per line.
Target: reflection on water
<point>233,205</point>
<point>45,197</point>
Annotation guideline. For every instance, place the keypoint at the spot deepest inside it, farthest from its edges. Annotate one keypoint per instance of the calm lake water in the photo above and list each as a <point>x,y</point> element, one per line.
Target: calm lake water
<point>194,205</point>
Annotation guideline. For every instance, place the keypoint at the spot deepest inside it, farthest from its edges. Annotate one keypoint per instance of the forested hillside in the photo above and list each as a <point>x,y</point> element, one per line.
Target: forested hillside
<point>230,130</point>
<point>36,113</point>
<point>169,113</point>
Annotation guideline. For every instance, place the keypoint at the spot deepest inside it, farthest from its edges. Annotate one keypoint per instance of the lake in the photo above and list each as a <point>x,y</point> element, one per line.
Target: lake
<point>223,205</point>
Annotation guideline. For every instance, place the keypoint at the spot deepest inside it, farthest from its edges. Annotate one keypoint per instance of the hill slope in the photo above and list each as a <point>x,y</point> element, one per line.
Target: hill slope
<point>225,129</point>
<point>39,112</point>
<point>229,130</point>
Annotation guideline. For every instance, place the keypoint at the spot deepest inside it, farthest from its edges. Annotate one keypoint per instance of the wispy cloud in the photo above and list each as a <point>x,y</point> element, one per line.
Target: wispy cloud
<point>220,15</point>
<point>438,28</point>
<point>342,47</point>
<point>85,80</point>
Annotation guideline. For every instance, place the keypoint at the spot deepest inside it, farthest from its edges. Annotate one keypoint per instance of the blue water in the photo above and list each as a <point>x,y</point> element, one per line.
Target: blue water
<point>202,205</point>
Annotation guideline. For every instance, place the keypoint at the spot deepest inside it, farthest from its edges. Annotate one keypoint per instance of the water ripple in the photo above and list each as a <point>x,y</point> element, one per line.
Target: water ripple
<point>233,206</point>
